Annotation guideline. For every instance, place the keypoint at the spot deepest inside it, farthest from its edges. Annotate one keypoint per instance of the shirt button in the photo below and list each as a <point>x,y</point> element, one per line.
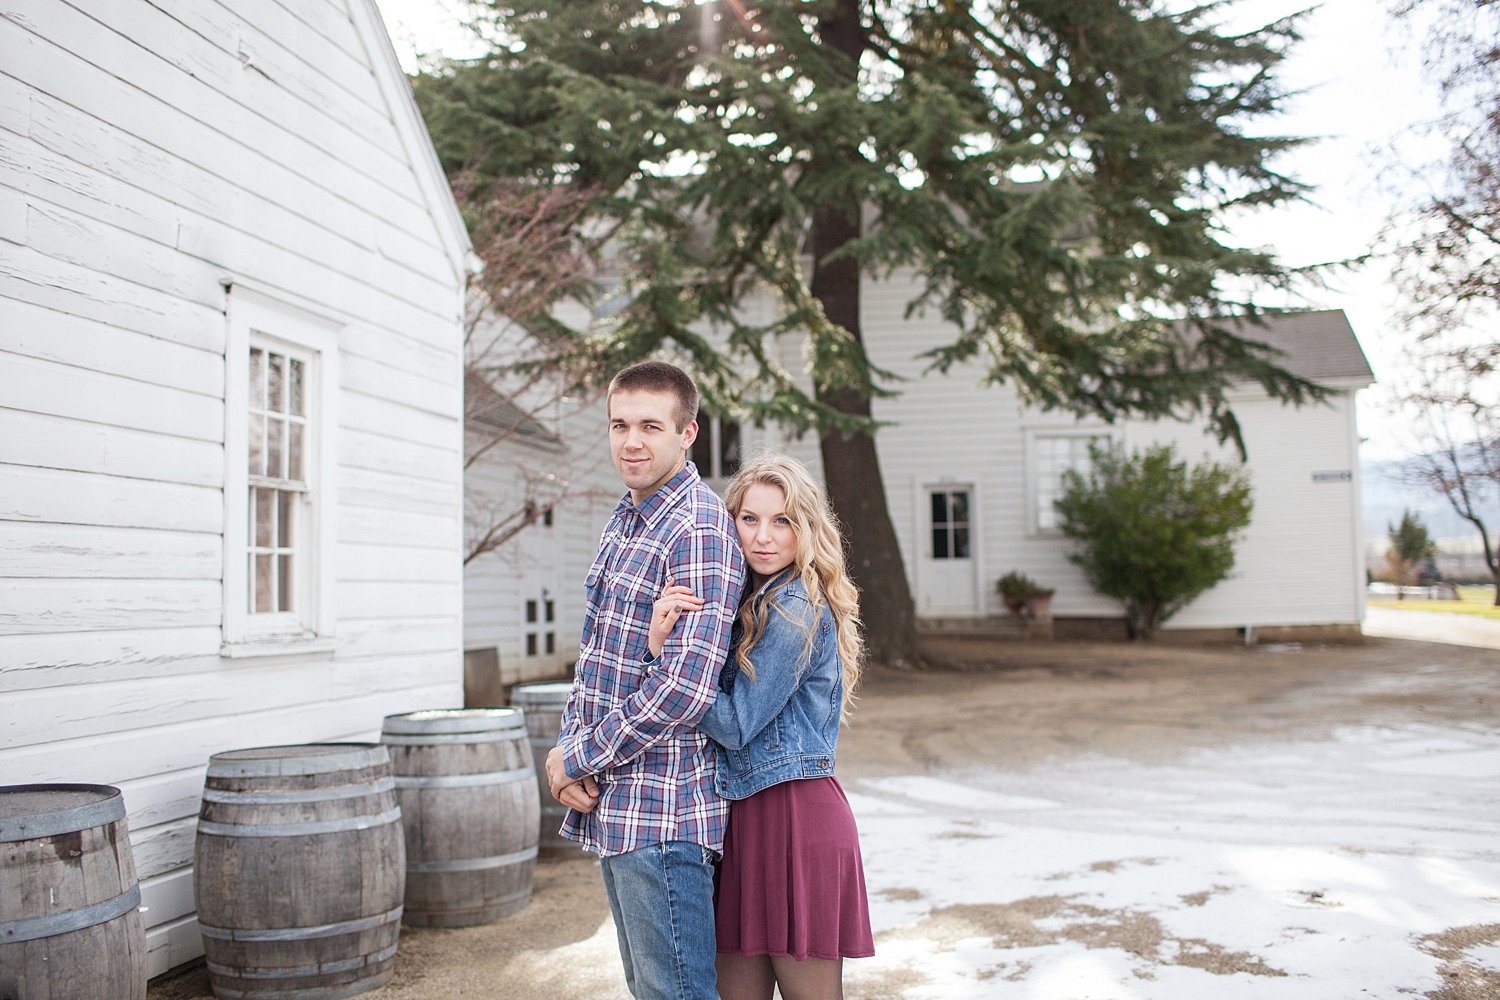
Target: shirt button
<point>823,762</point>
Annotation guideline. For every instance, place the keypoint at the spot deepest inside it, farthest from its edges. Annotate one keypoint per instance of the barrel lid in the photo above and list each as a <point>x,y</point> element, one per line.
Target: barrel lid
<point>455,720</point>
<point>28,811</point>
<point>549,691</point>
<point>301,758</point>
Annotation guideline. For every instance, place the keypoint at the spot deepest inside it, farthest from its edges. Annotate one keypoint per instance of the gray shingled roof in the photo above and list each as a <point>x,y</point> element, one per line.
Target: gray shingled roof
<point>1320,346</point>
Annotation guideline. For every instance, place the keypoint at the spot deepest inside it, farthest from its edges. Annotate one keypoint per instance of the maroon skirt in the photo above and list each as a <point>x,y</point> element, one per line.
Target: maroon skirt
<point>792,882</point>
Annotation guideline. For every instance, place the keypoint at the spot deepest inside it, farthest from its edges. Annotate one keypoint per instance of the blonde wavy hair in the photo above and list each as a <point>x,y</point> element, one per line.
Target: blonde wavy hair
<point>819,564</point>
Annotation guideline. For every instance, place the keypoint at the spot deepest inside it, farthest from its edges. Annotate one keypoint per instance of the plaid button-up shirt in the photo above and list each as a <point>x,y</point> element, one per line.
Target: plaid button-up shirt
<point>630,723</point>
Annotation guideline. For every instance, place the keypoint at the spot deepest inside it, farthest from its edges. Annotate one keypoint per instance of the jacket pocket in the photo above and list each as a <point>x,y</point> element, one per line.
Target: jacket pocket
<point>770,737</point>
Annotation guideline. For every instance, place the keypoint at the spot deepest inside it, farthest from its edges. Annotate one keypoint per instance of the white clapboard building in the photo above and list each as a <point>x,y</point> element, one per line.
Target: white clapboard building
<point>969,479</point>
<point>970,476</point>
<point>231,292</point>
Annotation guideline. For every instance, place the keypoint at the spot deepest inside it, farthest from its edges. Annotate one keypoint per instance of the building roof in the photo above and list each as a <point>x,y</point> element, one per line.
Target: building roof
<point>416,141</point>
<point>1318,345</point>
<point>487,407</point>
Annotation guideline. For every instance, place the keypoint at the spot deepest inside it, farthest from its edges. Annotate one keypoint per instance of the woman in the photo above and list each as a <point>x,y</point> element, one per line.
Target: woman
<point>790,901</point>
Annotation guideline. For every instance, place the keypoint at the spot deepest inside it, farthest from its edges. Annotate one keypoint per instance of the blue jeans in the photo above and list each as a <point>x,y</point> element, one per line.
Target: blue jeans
<point>662,898</point>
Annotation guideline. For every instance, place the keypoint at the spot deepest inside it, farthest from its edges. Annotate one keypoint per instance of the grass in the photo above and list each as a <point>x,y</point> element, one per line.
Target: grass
<point>1478,601</point>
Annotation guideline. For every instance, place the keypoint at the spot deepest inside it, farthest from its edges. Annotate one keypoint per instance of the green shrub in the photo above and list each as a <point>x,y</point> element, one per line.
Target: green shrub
<point>1153,532</point>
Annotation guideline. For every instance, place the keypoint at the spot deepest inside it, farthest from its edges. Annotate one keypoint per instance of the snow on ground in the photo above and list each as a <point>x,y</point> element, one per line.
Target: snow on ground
<point>1365,865</point>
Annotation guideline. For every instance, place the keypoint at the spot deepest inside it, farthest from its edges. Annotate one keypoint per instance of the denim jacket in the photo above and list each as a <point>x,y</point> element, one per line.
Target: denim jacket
<point>784,724</point>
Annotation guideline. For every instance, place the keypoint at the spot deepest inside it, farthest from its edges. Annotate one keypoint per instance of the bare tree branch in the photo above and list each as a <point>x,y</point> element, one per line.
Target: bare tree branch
<point>520,390</point>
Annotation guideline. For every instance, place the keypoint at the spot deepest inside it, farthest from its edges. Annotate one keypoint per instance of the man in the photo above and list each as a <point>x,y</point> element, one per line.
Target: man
<point>636,775</point>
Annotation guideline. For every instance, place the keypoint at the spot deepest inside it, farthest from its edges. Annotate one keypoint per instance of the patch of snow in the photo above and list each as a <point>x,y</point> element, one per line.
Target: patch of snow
<point>1297,871</point>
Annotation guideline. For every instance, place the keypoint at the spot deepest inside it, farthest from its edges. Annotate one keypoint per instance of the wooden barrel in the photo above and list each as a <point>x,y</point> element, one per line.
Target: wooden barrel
<point>70,921</point>
<point>469,809</point>
<point>543,705</point>
<point>299,870</point>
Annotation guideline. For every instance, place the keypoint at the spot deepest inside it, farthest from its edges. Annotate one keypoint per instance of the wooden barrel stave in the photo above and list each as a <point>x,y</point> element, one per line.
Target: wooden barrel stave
<point>300,871</point>
<point>470,806</point>
<point>302,968</point>
<point>467,898</point>
<point>543,704</point>
<point>70,923</point>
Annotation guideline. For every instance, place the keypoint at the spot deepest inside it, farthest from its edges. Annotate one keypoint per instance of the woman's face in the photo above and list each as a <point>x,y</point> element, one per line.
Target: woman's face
<point>768,538</point>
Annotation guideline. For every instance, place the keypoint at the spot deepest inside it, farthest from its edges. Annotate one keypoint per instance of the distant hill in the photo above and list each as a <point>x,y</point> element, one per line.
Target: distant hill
<point>1383,498</point>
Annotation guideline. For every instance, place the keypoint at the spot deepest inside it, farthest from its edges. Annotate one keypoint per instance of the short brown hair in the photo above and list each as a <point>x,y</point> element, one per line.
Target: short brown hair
<point>658,376</point>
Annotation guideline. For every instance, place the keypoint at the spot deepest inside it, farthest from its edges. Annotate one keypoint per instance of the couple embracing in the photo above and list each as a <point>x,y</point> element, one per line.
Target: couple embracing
<point>697,749</point>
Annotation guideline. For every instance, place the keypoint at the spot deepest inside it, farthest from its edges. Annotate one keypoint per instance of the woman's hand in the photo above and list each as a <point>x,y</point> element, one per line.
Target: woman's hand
<point>674,600</point>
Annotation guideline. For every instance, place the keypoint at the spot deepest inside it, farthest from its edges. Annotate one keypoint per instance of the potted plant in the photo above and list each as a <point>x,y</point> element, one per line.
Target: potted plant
<point>1023,596</point>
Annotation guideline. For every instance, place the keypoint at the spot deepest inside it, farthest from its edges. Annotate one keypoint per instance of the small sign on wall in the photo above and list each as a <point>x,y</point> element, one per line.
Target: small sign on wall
<point>1333,476</point>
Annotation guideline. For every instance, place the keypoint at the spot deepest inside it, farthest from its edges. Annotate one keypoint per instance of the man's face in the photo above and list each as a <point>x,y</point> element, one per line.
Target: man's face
<point>644,441</point>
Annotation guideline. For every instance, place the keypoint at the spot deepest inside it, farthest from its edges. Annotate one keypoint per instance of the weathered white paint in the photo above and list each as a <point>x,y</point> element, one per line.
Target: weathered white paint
<point>153,154</point>
<point>40,660</point>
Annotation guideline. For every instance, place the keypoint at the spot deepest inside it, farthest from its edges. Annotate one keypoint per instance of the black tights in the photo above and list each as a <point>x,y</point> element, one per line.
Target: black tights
<point>752,977</point>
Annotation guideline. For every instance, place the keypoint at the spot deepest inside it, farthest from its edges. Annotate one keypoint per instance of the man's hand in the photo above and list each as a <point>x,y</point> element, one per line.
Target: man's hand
<point>581,794</point>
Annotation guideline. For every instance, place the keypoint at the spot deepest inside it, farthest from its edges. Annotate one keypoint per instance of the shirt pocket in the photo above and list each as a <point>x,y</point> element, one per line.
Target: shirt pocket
<point>631,601</point>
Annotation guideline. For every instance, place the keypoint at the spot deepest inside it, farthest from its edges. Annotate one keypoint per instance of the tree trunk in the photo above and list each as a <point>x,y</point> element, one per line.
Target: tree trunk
<point>851,470</point>
<point>1491,552</point>
<point>1492,560</point>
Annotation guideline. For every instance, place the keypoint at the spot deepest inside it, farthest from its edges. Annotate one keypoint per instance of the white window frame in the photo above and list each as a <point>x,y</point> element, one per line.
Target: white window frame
<point>260,320</point>
<point>968,523</point>
<point>1034,486</point>
<point>711,433</point>
<point>539,623</point>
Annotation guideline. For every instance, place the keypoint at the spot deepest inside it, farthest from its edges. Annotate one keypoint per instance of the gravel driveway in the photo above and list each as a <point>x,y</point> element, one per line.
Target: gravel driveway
<point>1121,821</point>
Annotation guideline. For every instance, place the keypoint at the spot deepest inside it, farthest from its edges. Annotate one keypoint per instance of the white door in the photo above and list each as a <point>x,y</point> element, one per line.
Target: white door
<point>541,655</point>
<point>946,581</point>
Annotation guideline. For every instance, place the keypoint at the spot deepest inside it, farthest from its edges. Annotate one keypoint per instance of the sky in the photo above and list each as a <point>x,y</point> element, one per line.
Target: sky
<point>1359,89</point>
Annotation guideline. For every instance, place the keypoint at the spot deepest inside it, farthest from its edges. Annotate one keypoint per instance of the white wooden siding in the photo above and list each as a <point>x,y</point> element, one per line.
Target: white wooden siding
<point>1293,565</point>
<point>498,584</point>
<point>1297,564</point>
<point>150,153</point>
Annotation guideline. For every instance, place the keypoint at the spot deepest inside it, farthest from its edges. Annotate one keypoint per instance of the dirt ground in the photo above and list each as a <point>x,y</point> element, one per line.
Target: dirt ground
<point>1017,707</point>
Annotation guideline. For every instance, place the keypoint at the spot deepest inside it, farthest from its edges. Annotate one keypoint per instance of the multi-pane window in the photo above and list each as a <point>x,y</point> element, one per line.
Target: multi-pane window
<point>277,440</point>
<point>716,449</point>
<point>280,438</point>
<point>950,524</point>
<point>541,630</point>
<point>1053,455</point>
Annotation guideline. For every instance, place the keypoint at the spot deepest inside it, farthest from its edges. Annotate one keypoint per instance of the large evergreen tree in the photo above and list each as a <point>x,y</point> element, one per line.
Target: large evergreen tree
<point>1057,174</point>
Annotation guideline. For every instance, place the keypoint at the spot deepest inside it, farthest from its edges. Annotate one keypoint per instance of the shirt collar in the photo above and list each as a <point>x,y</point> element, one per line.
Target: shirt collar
<point>673,490</point>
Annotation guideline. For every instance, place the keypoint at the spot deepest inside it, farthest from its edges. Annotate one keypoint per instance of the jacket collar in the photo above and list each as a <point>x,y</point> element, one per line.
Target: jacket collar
<point>793,587</point>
